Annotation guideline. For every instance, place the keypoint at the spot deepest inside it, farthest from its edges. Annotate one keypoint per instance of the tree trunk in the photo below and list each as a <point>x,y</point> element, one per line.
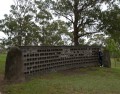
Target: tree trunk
<point>76,43</point>
<point>75,24</point>
<point>19,41</point>
<point>20,34</point>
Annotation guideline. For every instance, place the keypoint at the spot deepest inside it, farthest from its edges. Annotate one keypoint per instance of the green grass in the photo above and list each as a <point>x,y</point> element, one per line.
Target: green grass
<point>115,62</point>
<point>79,81</point>
<point>2,63</point>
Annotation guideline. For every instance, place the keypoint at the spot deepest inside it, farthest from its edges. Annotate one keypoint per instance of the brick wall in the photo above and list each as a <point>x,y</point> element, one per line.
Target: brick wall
<point>53,58</point>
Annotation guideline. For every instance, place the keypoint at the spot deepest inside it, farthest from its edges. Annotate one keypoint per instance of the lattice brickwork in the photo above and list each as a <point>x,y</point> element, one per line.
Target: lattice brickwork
<point>51,58</point>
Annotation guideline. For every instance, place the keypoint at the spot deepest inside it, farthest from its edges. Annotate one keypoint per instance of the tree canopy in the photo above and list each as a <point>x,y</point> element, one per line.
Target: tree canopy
<point>19,25</point>
<point>82,15</point>
<point>60,22</point>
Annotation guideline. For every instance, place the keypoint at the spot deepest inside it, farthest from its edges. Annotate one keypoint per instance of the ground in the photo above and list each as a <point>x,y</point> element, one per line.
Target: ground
<point>95,80</point>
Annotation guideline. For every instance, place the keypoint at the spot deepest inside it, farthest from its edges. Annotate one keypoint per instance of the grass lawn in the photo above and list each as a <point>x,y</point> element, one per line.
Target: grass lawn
<point>2,63</point>
<point>79,81</point>
<point>115,63</point>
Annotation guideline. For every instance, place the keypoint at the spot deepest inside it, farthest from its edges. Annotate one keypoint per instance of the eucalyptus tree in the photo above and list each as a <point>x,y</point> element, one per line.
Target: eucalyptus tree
<point>19,25</point>
<point>110,23</point>
<point>43,17</point>
<point>56,33</point>
<point>81,15</point>
<point>114,49</point>
<point>97,39</point>
<point>52,32</point>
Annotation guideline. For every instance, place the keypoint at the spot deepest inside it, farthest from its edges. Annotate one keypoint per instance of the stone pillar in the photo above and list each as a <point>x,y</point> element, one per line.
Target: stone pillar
<point>14,71</point>
<point>106,59</point>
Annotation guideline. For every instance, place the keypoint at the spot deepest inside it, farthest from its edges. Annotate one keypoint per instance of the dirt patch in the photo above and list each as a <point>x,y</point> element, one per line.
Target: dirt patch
<point>1,83</point>
<point>79,71</point>
<point>1,79</point>
<point>68,72</point>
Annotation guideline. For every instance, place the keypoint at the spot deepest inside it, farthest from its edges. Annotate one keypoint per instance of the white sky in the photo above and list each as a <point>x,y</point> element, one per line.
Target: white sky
<point>4,9</point>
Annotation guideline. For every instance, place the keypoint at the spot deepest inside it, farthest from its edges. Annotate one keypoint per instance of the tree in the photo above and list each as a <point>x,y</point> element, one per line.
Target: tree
<point>97,39</point>
<point>19,25</point>
<point>31,23</point>
<point>51,31</point>
<point>55,34</point>
<point>81,15</point>
<point>110,23</point>
<point>114,49</point>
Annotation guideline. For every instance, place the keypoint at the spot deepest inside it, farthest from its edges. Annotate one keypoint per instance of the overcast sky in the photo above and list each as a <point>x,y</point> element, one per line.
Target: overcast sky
<point>4,9</point>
